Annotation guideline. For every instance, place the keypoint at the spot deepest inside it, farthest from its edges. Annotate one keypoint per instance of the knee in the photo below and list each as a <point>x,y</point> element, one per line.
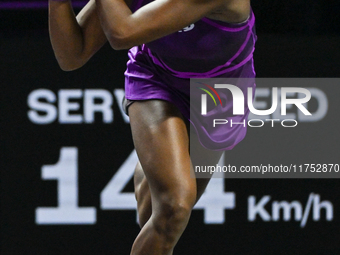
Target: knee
<point>175,212</point>
<point>172,215</point>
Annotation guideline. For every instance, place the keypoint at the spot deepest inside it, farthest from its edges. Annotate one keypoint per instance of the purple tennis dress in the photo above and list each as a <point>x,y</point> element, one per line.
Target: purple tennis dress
<point>208,48</point>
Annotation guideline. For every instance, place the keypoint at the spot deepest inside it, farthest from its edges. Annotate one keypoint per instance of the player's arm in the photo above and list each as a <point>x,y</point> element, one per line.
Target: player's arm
<point>74,39</point>
<point>154,20</point>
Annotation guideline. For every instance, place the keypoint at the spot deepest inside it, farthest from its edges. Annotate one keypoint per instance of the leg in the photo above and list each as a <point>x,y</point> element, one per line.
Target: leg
<point>199,156</point>
<point>161,141</point>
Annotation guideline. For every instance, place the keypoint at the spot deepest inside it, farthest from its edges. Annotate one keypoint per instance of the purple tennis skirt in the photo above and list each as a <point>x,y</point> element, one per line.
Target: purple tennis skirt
<point>144,80</point>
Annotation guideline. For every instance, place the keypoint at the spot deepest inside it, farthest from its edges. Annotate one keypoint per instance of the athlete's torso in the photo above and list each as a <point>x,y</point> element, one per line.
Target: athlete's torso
<point>207,46</point>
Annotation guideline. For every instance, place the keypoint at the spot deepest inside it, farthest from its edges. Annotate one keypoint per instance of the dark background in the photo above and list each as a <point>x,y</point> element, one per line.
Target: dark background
<point>295,39</point>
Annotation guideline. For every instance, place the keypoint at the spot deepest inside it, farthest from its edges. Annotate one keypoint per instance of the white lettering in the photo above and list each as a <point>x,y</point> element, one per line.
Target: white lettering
<point>90,107</point>
<point>65,106</point>
<point>35,105</point>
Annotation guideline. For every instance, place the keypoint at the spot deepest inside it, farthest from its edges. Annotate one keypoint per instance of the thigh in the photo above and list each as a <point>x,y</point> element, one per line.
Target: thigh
<point>162,143</point>
<point>199,156</point>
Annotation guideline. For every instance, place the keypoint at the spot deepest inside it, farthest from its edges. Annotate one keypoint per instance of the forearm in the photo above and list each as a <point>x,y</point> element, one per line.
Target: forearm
<point>125,29</point>
<point>114,17</point>
<point>65,34</point>
<point>159,18</point>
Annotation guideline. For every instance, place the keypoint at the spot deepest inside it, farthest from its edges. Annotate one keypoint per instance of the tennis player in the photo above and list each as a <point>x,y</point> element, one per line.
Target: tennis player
<point>170,41</point>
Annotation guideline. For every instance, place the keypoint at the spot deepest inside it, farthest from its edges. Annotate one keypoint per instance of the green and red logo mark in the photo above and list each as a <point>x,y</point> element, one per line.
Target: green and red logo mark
<point>204,97</point>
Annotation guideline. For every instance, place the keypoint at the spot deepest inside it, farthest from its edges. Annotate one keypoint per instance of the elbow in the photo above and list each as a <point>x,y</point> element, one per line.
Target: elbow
<point>70,60</point>
<point>120,42</point>
<point>68,66</point>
